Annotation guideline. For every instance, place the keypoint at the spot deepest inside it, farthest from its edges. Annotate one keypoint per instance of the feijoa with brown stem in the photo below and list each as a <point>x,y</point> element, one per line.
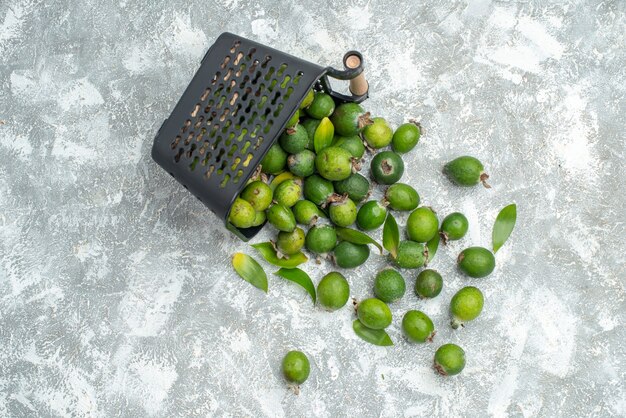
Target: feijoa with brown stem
<point>350,119</point>
<point>466,171</point>
<point>449,360</point>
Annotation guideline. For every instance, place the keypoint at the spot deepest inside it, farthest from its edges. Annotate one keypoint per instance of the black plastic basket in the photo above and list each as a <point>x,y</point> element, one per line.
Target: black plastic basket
<point>234,109</point>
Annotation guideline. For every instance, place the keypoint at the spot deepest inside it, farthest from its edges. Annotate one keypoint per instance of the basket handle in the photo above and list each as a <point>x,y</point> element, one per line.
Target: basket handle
<point>353,71</point>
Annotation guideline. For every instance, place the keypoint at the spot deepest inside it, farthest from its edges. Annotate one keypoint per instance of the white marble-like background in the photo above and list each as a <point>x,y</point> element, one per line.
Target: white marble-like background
<point>116,293</point>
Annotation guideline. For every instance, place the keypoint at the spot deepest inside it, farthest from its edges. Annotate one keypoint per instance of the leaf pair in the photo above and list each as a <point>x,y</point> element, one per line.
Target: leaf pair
<point>372,336</point>
<point>269,254</point>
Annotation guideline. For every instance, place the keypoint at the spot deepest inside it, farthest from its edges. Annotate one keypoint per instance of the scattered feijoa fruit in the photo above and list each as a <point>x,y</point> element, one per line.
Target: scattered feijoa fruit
<point>296,367</point>
<point>317,189</point>
<point>302,164</point>
<point>281,217</point>
<point>389,285</point>
<point>306,212</point>
<point>406,137</point>
<point>465,306</point>
<point>356,187</point>
<point>350,119</point>
<point>321,107</point>
<point>242,214</point>
<point>288,192</point>
<point>371,215</point>
<point>418,327</point>
<point>321,239</point>
<point>449,360</point>
<point>334,163</point>
<point>349,255</point>
<point>352,144</point>
<point>289,243</point>
<point>402,197</point>
<point>333,291</point>
<point>476,262</point>
<point>466,171</point>
<point>374,313</point>
<point>410,255</point>
<point>258,194</point>
<point>342,212</point>
<point>387,167</point>
<point>422,225</point>
<point>294,139</point>
<point>454,227</point>
<point>378,134</point>
<point>275,160</point>
<point>428,284</point>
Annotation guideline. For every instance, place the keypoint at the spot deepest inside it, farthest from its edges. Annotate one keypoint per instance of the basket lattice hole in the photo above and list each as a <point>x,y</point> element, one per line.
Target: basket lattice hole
<point>179,154</point>
<point>191,150</point>
<point>234,98</point>
<point>232,150</point>
<point>198,122</point>
<point>237,109</point>
<point>228,74</point>
<point>260,90</point>
<point>240,122</point>
<point>238,58</point>
<point>279,108</point>
<point>249,158</point>
<point>281,69</point>
<point>297,78</point>
<point>285,82</point>
<point>219,89</point>
<point>214,130</point>
<point>194,163</point>
<point>245,80</point>
<point>255,131</point>
<point>262,101</point>
<point>189,138</point>
<point>238,176</point>
<point>241,69</point>
<point>236,162</point>
<point>224,114</point>
<point>186,125</point>
<point>200,135</point>
<point>175,142</point>
<point>203,148</point>
<point>253,66</point>
<point>243,133</point>
<point>259,141</point>
<point>246,146</point>
<point>232,84</point>
<point>220,155</point>
<point>235,46</point>
<point>231,136</point>
<point>266,113</point>
<point>255,114</point>
<point>215,77</point>
<point>221,102</point>
<point>256,77</point>
<point>210,171</point>
<point>250,103</point>
<point>288,94</point>
<point>226,126</point>
<point>272,85</point>
<point>276,97</point>
<point>207,159</point>
<point>195,110</point>
<point>268,126</point>
<point>267,59</point>
<point>250,54</point>
<point>225,62</point>
<point>245,95</point>
<point>206,94</point>
<point>217,142</point>
<point>222,167</point>
<point>225,181</point>
<point>207,109</point>
<point>269,73</point>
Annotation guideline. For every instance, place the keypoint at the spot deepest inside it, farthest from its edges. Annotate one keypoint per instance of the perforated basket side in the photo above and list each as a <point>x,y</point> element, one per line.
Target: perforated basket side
<point>234,109</point>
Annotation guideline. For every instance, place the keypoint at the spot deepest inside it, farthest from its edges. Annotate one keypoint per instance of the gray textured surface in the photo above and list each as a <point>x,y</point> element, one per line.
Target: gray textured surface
<point>117,297</point>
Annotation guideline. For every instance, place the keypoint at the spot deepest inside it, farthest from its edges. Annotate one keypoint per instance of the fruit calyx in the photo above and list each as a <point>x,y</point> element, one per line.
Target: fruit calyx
<point>364,120</point>
<point>483,179</point>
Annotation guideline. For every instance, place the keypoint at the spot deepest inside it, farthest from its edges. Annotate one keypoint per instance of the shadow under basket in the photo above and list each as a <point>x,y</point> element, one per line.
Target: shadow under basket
<point>233,111</point>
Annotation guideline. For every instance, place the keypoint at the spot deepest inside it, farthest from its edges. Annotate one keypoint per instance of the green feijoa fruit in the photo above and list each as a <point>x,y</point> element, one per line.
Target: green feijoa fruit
<point>321,107</point>
<point>371,215</point>
<point>374,313</point>
<point>422,225</point>
<point>387,167</point>
<point>356,187</point>
<point>352,144</point>
<point>306,212</point>
<point>349,255</point>
<point>334,163</point>
<point>281,217</point>
<point>378,134</point>
<point>321,239</point>
<point>290,243</point>
<point>288,192</point>
<point>350,119</point>
<point>302,164</point>
<point>342,212</point>
<point>258,194</point>
<point>410,255</point>
<point>308,99</point>
<point>418,327</point>
<point>259,218</point>
<point>465,306</point>
<point>389,285</point>
<point>333,291</point>
<point>310,125</point>
<point>242,214</point>
<point>454,227</point>
<point>466,171</point>
<point>296,367</point>
<point>317,189</point>
<point>449,360</point>
<point>476,262</point>
<point>406,137</point>
<point>293,121</point>
<point>294,139</point>
<point>428,284</point>
<point>401,197</point>
<point>274,161</point>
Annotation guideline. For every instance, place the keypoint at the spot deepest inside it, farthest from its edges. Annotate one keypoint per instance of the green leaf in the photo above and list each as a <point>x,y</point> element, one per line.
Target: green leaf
<point>432,246</point>
<point>356,237</point>
<point>249,270</point>
<point>299,277</point>
<point>502,228</point>
<point>372,336</point>
<point>279,178</point>
<point>323,136</point>
<point>391,235</point>
<point>269,254</point>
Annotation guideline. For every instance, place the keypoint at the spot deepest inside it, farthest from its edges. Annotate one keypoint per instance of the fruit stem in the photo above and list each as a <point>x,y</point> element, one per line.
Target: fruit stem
<point>455,323</point>
<point>440,369</point>
<point>364,120</point>
<point>416,123</point>
<point>444,237</point>
<point>431,336</point>
<point>483,180</point>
